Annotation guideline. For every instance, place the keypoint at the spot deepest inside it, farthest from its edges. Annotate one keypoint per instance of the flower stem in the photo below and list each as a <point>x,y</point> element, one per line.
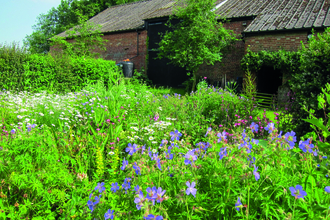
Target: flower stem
<point>294,207</point>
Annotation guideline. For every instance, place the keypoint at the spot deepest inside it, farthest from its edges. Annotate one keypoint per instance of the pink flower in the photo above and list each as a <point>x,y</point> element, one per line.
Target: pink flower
<point>220,125</point>
<point>97,129</point>
<point>205,77</point>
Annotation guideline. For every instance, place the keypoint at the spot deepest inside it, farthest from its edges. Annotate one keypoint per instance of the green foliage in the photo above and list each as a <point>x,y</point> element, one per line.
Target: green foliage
<point>12,58</point>
<point>286,61</point>
<point>313,76</point>
<point>34,73</point>
<point>320,126</point>
<point>86,37</point>
<point>62,18</point>
<point>198,39</point>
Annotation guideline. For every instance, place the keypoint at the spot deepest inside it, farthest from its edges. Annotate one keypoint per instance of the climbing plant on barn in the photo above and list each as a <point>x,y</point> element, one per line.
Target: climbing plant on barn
<point>198,39</point>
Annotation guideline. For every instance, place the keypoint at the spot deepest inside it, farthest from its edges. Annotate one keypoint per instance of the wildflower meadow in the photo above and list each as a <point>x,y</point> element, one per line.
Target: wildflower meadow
<point>134,152</point>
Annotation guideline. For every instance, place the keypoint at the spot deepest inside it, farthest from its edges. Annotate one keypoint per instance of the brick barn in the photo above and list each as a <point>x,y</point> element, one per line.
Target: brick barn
<point>132,30</point>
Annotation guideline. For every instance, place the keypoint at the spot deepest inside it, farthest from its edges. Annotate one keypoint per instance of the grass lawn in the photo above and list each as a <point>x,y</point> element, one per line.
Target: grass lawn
<point>131,152</point>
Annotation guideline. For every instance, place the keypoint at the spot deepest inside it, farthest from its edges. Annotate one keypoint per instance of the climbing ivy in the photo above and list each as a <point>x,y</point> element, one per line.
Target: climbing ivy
<point>286,61</point>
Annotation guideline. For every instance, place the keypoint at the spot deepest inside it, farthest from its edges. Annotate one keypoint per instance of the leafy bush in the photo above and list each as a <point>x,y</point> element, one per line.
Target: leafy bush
<point>12,58</point>
<point>314,74</point>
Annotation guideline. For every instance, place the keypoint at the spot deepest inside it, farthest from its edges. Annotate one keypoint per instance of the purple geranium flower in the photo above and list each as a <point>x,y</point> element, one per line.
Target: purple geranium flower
<point>125,163</point>
<point>306,146</point>
<point>208,130</point>
<point>152,194</point>
<point>160,193</point>
<point>222,152</point>
<point>297,192</point>
<point>270,127</point>
<point>114,187</point>
<point>291,139</point>
<point>131,149</point>
<point>139,200</point>
<point>191,188</point>
<point>190,157</point>
<point>221,136</point>
<point>327,189</point>
<point>255,173</point>
<point>175,135</point>
<point>158,164</point>
<point>90,205</point>
<point>100,187</point>
<point>137,169</point>
<point>237,204</point>
<point>254,127</point>
<point>109,214</point>
<point>153,217</point>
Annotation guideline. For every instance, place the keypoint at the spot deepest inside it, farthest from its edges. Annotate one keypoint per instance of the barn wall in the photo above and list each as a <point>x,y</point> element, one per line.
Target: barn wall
<point>230,64</point>
<point>121,46</point>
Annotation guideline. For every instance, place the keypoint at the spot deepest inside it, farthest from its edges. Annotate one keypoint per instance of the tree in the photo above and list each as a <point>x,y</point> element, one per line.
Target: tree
<point>86,36</point>
<point>63,18</point>
<point>198,39</point>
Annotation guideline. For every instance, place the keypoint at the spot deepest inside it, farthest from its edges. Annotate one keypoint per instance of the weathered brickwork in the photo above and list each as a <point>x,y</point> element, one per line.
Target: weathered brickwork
<point>121,46</point>
<point>230,64</point>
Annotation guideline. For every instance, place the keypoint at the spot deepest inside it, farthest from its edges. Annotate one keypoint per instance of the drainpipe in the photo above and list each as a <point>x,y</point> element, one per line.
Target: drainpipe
<point>137,46</point>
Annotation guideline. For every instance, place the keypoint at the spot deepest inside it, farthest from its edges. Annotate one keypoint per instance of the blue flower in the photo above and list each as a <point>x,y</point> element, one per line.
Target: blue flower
<point>139,200</point>
<point>297,192</point>
<point>253,160</point>
<point>114,187</point>
<point>238,204</point>
<point>190,157</point>
<point>221,136</point>
<point>291,139</point>
<point>97,200</point>
<point>254,127</point>
<point>137,189</point>
<point>160,193</point>
<point>191,188</point>
<point>306,146</point>
<point>169,155</point>
<point>222,152</point>
<point>270,127</point>
<point>152,194</point>
<point>208,130</point>
<point>90,205</point>
<point>100,187</point>
<point>327,189</point>
<point>109,214</point>
<point>125,163</point>
<point>324,157</point>
<point>255,173</point>
<point>131,149</point>
<point>153,217</point>
<point>126,185</point>
<point>158,164</point>
<point>175,135</point>
<point>13,131</point>
<point>137,169</point>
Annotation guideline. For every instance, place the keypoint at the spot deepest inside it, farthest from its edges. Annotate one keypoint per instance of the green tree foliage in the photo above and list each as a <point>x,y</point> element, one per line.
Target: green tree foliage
<point>62,18</point>
<point>198,39</point>
<point>313,76</point>
<point>87,40</point>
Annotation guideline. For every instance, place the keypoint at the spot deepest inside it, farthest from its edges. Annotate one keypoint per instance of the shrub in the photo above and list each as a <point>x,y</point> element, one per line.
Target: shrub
<point>313,75</point>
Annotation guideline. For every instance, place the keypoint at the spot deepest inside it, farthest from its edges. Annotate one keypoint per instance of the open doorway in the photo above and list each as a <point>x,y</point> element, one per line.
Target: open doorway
<point>268,80</point>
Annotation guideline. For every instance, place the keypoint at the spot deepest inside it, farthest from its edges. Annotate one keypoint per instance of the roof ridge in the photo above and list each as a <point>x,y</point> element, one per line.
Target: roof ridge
<point>130,3</point>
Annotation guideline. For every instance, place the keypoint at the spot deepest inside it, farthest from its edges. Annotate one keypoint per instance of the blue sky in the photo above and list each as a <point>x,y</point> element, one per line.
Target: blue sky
<point>18,16</point>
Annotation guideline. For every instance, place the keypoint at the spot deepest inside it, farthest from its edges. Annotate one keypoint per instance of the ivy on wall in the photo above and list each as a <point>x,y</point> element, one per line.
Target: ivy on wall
<point>286,61</point>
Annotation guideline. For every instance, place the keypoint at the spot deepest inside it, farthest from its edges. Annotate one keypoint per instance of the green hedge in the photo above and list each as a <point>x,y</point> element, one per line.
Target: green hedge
<point>38,72</point>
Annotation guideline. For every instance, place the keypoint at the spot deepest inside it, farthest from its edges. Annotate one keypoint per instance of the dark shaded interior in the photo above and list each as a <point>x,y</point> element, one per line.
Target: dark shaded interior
<point>268,80</point>
<point>160,71</point>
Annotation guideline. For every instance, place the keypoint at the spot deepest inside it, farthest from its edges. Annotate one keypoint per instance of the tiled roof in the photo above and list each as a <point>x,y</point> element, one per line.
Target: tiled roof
<point>279,14</point>
<point>126,17</point>
<point>269,14</point>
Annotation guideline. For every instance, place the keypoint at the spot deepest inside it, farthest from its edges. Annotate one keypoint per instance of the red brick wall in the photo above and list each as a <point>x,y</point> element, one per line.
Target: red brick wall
<point>289,41</point>
<point>231,68</point>
<point>121,46</point>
